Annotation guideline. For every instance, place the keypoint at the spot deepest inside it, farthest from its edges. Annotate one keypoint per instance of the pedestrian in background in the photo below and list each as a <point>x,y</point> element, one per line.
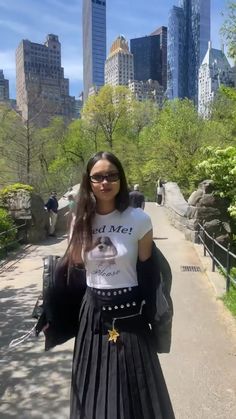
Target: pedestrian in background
<point>52,207</point>
<point>136,198</point>
<point>71,214</point>
<point>160,192</point>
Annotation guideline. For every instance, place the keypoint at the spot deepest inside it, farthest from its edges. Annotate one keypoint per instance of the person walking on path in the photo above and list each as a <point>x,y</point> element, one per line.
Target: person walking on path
<point>160,192</point>
<point>116,372</point>
<point>71,214</point>
<point>52,207</point>
<point>136,198</point>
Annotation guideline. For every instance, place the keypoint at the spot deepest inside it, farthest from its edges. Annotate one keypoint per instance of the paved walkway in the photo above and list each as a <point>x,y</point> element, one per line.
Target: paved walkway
<point>200,370</point>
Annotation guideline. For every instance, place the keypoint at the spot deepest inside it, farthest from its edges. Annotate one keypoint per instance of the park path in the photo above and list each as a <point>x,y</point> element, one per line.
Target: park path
<point>200,370</point>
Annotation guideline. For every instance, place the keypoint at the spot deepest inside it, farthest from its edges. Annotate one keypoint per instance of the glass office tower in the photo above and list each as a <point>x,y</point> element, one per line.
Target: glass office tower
<point>176,83</point>
<point>196,33</point>
<point>147,58</point>
<point>94,44</point>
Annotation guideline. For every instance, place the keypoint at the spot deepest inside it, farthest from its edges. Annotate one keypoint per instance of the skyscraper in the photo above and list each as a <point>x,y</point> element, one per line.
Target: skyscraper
<point>147,90</point>
<point>162,33</point>
<point>214,71</point>
<point>195,34</point>
<point>41,89</point>
<point>147,58</point>
<point>119,66</point>
<point>4,87</point>
<point>94,44</point>
<point>176,78</point>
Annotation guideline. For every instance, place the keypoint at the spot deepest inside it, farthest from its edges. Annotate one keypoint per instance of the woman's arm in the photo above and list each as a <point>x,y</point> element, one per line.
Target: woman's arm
<point>145,246</point>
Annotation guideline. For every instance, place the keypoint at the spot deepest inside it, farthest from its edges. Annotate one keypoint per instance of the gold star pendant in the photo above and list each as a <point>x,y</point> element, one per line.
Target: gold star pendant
<point>113,335</point>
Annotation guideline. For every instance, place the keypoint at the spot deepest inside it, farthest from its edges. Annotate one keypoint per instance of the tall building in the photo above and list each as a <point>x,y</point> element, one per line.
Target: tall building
<point>4,88</point>
<point>94,44</point>
<point>195,34</point>
<point>119,66</point>
<point>162,33</point>
<point>176,65</point>
<point>147,58</point>
<point>41,89</point>
<point>147,90</point>
<point>214,71</point>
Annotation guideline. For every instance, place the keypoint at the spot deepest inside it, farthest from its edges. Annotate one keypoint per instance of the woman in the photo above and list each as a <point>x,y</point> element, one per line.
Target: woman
<point>160,192</point>
<point>116,373</point>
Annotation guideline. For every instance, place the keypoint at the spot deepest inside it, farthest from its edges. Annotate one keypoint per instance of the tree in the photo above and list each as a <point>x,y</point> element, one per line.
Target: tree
<point>27,151</point>
<point>72,154</point>
<point>172,146</point>
<point>14,146</point>
<point>228,29</point>
<point>107,111</point>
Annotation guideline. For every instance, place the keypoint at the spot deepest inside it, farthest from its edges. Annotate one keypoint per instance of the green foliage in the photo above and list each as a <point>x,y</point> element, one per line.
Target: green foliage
<point>151,143</point>
<point>229,300</point>
<point>233,273</point>
<point>72,154</point>
<point>6,223</point>
<point>171,147</point>
<point>228,29</point>
<point>109,113</point>
<point>220,166</point>
<point>11,149</point>
<point>114,120</point>
<point>223,117</point>
<point>13,188</point>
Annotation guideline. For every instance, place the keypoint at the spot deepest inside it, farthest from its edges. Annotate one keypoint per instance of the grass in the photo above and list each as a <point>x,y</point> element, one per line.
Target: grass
<point>229,300</point>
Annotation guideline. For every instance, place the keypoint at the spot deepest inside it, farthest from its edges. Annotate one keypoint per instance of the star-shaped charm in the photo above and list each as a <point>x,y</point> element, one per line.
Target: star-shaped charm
<point>113,335</point>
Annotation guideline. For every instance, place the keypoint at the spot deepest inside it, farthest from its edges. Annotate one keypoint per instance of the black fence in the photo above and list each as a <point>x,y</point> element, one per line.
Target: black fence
<point>221,256</point>
<point>12,238</point>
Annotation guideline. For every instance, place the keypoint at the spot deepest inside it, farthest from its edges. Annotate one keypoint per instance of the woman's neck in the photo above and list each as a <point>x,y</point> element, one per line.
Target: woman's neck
<point>104,208</point>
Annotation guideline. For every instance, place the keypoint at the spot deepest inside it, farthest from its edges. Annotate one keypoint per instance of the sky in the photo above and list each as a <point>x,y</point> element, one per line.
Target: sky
<point>34,19</point>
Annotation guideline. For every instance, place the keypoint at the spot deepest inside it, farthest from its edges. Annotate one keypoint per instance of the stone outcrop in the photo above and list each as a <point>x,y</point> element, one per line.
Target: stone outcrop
<point>29,207</point>
<point>202,207</point>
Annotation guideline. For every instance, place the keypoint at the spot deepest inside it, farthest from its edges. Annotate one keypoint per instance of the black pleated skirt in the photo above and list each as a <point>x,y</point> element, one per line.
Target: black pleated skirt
<point>119,379</point>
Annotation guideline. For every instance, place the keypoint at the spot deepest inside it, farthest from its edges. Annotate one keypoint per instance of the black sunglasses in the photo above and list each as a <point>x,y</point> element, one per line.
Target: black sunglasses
<point>109,177</point>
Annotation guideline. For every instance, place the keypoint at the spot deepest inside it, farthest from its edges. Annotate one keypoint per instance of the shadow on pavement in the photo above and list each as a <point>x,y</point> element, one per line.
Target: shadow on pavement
<point>49,241</point>
<point>34,383</point>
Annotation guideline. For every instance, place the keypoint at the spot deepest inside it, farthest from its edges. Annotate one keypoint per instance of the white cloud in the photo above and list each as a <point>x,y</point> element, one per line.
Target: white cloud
<point>14,26</point>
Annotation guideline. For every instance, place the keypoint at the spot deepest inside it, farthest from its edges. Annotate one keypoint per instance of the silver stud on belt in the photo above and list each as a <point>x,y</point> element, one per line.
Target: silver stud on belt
<point>109,293</point>
<point>122,306</point>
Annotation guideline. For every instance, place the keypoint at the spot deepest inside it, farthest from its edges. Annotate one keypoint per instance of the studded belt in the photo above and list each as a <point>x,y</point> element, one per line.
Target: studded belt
<point>117,304</point>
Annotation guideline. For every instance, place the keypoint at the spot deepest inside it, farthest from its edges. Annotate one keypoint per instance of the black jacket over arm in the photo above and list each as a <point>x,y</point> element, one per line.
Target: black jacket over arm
<point>155,280</point>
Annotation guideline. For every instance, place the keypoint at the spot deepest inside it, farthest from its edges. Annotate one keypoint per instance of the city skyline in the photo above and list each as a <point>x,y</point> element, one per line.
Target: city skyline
<point>131,19</point>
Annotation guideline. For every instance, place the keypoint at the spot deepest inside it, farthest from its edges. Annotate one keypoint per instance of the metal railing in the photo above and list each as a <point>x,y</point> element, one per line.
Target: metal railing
<point>20,237</point>
<point>216,251</point>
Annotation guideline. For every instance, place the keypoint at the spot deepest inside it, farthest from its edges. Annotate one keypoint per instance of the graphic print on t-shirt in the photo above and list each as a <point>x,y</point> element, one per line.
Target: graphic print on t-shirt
<point>112,258</point>
<point>103,248</point>
<point>104,252</point>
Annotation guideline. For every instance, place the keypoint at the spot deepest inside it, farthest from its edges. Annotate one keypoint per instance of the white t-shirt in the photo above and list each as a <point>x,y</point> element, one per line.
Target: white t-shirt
<point>112,261</point>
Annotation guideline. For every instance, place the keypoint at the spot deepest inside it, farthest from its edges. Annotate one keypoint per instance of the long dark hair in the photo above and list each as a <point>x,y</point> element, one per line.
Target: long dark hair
<point>86,208</point>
